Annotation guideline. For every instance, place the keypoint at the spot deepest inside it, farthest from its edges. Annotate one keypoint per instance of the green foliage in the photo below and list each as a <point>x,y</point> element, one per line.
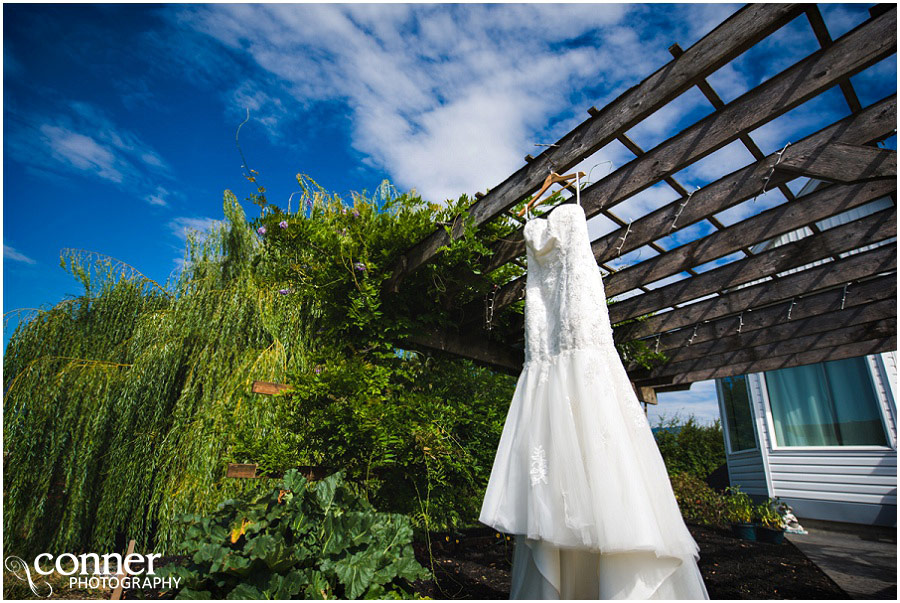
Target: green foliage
<point>697,500</point>
<point>309,540</point>
<point>739,506</point>
<point>690,447</point>
<point>123,405</point>
<point>765,513</point>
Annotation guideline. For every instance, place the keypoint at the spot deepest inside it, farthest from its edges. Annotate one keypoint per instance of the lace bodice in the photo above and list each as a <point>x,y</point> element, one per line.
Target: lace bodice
<point>565,304</point>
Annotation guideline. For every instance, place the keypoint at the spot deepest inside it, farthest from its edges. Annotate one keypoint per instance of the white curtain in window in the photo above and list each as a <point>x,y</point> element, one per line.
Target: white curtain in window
<point>801,409</point>
<point>826,404</point>
<point>855,403</point>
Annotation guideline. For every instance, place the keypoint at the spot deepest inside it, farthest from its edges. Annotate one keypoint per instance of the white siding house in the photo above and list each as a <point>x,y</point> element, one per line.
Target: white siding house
<point>821,437</point>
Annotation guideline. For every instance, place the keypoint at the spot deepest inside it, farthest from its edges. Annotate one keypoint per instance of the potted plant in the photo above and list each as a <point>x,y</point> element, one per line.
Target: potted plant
<point>739,512</point>
<point>770,523</point>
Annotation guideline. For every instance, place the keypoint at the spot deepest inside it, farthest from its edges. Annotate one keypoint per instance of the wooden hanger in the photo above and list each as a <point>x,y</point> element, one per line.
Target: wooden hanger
<point>550,180</point>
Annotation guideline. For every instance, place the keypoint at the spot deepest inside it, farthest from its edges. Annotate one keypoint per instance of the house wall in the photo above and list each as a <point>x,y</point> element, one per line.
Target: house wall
<point>855,484</point>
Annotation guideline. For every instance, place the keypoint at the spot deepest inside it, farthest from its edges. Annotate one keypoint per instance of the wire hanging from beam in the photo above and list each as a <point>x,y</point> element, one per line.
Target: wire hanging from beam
<point>771,172</point>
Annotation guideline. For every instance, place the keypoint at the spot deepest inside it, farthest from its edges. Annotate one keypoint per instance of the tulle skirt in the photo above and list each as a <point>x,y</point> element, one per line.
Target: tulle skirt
<point>579,479</point>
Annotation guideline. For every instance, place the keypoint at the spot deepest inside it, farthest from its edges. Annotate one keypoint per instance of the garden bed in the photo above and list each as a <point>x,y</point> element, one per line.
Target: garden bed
<point>478,567</point>
<point>475,564</point>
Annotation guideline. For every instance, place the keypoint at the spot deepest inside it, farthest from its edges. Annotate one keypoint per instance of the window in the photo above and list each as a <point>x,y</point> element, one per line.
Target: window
<point>738,416</point>
<point>827,404</point>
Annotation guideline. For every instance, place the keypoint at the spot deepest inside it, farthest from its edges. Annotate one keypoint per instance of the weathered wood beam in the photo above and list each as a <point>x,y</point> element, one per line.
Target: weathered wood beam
<point>470,345</point>
<point>778,220</point>
<point>873,123</point>
<point>821,31</point>
<point>860,48</point>
<point>716,101</point>
<point>731,38</point>
<point>817,278</point>
<point>645,394</point>
<point>853,235</point>
<point>880,329</point>
<point>840,162</point>
<point>866,294</point>
<point>771,363</point>
<point>681,387</point>
<point>793,330</point>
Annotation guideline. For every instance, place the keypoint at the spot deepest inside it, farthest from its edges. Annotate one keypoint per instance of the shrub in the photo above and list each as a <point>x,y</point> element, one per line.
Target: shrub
<point>690,447</point>
<point>313,540</point>
<point>697,501</point>
<point>738,505</point>
<point>766,514</point>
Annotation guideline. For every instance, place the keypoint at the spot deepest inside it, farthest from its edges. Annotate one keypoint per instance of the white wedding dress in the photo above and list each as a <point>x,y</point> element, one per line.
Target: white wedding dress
<point>578,477</point>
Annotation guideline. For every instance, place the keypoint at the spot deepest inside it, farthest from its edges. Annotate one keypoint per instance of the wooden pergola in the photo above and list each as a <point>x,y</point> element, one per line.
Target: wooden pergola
<point>826,296</point>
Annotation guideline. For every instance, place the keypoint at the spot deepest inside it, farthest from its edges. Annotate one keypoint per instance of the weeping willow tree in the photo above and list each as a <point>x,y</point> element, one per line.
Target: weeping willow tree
<point>118,404</point>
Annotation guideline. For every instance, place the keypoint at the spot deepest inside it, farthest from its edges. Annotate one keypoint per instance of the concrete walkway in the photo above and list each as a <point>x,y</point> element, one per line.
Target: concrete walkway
<point>862,560</point>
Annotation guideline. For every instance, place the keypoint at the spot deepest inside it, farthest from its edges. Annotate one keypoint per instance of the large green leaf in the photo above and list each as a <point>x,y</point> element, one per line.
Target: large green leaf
<point>285,586</point>
<point>356,572</point>
<point>245,591</point>
<point>187,593</point>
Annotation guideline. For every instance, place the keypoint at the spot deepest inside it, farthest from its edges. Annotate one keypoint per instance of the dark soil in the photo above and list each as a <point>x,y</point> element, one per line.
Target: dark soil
<point>476,564</point>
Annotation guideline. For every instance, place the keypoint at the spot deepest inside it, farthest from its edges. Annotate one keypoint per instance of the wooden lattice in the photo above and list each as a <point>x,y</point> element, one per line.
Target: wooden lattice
<point>828,295</point>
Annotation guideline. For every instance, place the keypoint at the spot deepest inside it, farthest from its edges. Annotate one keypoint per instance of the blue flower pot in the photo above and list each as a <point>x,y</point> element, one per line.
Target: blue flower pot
<point>764,534</point>
<point>746,531</point>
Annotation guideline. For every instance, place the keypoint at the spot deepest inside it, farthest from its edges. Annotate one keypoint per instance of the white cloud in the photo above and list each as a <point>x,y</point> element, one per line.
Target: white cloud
<point>81,152</point>
<point>158,197</point>
<point>700,401</point>
<point>447,99</point>
<point>183,225</point>
<point>11,254</point>
<point>81,139</point>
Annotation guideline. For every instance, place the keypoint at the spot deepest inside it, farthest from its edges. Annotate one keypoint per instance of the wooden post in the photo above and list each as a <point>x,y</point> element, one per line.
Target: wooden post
<point>117,593</point>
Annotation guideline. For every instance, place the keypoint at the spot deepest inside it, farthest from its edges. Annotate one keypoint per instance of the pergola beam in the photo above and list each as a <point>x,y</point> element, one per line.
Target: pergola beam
<point>860,48</point>
<point>763,226</point>
<point>867,294</point>
<point>716,101</point>
<point>817,278</point>
<point>873,123</point>
<point>471,346</point>
<point>735,35</point>
<point>841,162</point>
<point>821,32</point>
<point>788,331</point>
<point>779,347</point>
<point>846,237</point>
<point>771,363</point>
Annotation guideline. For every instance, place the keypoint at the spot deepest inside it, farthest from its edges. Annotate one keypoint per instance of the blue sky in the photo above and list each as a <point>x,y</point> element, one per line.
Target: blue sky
<point>119,120</point>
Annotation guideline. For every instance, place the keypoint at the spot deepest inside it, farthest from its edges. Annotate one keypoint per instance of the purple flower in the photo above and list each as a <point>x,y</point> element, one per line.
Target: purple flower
<point>317,370</point>
<point>360,267</point>
<point>355,213</point>
<point>343,232</point>
<point>261,230</point>
<point>284,291</point>
<point>283,224</point>
<point>344,210</point>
